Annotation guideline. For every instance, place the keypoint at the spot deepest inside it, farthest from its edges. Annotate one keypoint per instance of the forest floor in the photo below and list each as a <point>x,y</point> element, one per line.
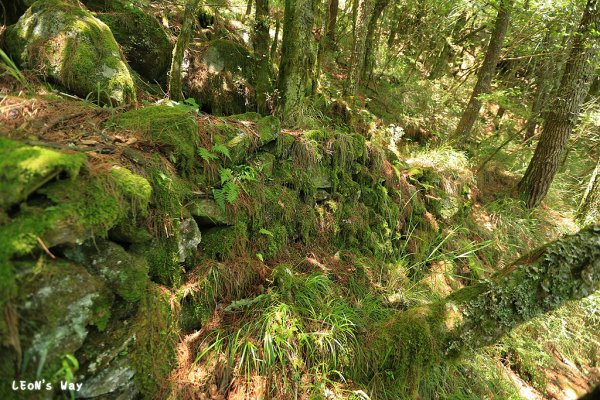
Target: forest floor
<point>536,361</point>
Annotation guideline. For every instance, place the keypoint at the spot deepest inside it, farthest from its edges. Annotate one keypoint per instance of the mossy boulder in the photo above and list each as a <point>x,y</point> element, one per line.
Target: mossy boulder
<point>221,78</point>
<point>142,38</point>
<point>59,302</point>
<point>208,213</point>
<point>24,169</point>
<point>67,44</point>
<point>268,128</point>
<point>126,274</point>
<point>173,129</point>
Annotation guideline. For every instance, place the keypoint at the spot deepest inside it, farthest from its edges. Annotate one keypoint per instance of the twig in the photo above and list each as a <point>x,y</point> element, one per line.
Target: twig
<point>40,241</point>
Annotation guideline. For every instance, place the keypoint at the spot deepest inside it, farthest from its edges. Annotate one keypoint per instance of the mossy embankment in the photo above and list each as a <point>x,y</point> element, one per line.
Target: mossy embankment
<point>195,211</point>
<point>175,244</point>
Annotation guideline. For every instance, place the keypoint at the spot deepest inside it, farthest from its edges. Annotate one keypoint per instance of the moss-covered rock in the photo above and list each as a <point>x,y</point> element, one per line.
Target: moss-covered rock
<point>221,78</point>
<point>269,128</point>
<point>67,44</point>
<point>142,38</point>
<point>24,169</point>
<point>156,332</point>
<point>188,239</point>
<point>59,302</point>
<point>125,274</point>
<point>172,128</point>
<point>134,187</point>
<point>224,242</point>
<point>208,213</point>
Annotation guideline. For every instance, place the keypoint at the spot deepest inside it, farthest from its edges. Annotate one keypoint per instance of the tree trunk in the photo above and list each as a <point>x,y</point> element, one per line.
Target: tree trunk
<point>564,111</point>
<point>248,8</point>
<point>371,42</point>
<point>485,75</point>
<point>398,11</point>
<point>545,72</point>
<point>183,41</point>
<point>332,15</point>
<point>359,45</point>
<point>262,56</point>
<point>589,210</point>
<point>275,40</point>
<point>297,56</point>
<point>440,65</point>
<point>414,340</point>
<point>321,24</point>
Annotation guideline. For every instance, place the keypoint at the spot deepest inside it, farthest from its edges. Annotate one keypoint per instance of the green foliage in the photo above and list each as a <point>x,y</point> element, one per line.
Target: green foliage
<point>11,69</point>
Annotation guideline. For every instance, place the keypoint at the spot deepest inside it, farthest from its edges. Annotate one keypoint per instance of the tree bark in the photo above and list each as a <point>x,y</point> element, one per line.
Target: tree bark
<point>332,15</point>
<point>564,111</point>
<point>398,11</point>
<point>275,40</point>
<point>297,56</point>
<point>183,41</point>
<point>546,71</point>
<point>485,75</point>
<point>589,210</point>
<point>364,11</point>
<point>414,340</point>
<point>248,8</point>
<point>262,56</point>
<point>371,42</point>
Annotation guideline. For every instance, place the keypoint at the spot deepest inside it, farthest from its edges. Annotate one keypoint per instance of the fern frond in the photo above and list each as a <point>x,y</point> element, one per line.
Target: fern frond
<point>206,155</point>
<point>221,149</point>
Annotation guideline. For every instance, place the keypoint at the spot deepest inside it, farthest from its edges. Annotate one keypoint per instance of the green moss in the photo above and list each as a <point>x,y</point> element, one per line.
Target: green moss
<point>405,346</point>
<point>156,333</point>
<point>170,193</point>
<point>163,260</point>
<point>224,242</point>
<point>141,36</point>
<point>73,211</point>
<point>226,55</point>
<point>317,135</point>
<point>248,116</point>
<point>133,186</point>
<point>126,274</point>
<point>24,169</point>
<point>268,128</point>
<point>59,301</point>
<point>174,129</point>
<point>68,44</point>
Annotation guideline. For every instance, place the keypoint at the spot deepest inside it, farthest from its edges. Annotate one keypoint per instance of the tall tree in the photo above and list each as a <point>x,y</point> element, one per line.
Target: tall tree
<point>183,41</point>
<point>332,14</point>
<point>485,74</point>
<point>297,55</point>
<point>564,112</point>
<point>364,10</point>
<point>372,42</point>
<point>589,210</point>
<point>262,55</point>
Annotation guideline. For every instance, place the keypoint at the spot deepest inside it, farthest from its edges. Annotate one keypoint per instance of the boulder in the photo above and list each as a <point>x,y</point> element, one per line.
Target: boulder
<point>221,78</point>
<point>126,274</point>
<point>208,213</point>
<point>67,44</point>
<point>188,239</point>
<point>24,169</point>
<point>174,129</point>
<point>142,38</point>
<point>59,303</point>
